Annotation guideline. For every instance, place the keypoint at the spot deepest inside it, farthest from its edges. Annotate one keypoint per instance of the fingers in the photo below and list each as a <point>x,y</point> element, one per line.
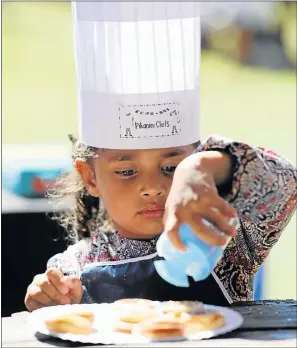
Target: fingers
<point>63,289</point>
<point>176,241</point>
<point>47,290</point>
<point>224,207</point>
<point>172,231</point>
<point>32,305</point>
<point>75,288</point>
<point>205,232</point>
<point>55,276</point>
<point>39,295</point>
<point>219,221</point>
<point>171,227</point>
<point>215,210</point>
<point>36,298</point>
<point>50,290</point>
<point>212,200</point>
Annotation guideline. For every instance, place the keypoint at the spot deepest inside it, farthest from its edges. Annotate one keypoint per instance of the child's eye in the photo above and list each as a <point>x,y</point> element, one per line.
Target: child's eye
<point>169,169</point>
<point>127,172</point>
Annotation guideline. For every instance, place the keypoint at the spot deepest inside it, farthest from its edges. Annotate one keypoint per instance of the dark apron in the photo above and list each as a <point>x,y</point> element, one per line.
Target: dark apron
<point>108,283</point>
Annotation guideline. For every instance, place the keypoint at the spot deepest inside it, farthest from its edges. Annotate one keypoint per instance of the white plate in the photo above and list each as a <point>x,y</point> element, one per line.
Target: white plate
<point>104,317</point>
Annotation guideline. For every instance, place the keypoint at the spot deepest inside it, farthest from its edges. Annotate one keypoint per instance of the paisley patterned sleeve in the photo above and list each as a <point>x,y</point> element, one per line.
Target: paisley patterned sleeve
<point>263,190</point>
<point>66,262</point>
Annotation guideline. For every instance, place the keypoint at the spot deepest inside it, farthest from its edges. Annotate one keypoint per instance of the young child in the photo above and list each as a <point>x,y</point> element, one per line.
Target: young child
<point>135,178</point>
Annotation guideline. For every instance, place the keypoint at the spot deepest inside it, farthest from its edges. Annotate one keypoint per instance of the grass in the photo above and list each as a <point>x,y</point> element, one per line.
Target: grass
<point>39,103</point>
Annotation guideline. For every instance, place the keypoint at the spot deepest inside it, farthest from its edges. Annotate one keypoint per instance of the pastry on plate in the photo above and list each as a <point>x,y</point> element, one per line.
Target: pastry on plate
<point>130,312</point>
<point>194,315</point>
<point>85,314</point>
<point>160,328</point>
<point>177,308</point>
<point>71,323</point>
<point>204,322</point>
<point>123,327</point>
<point>127,318</point>
<point>135,314</point>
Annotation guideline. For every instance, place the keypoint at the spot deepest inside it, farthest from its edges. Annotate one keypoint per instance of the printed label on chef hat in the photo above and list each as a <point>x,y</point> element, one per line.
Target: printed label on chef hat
<point>138,69</point>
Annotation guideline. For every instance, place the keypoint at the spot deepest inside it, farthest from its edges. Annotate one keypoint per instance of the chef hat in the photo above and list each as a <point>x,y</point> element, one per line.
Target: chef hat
<point>137,69</point>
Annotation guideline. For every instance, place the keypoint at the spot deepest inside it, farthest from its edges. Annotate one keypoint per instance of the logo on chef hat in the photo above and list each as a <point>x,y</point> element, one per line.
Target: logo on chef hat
<point>149,121</point>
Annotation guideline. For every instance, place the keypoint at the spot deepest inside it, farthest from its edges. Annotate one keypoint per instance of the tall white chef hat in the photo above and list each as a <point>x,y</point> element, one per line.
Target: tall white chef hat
<point>138,73</point>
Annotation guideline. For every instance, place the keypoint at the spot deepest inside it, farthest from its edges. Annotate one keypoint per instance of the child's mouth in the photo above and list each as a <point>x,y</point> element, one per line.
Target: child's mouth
<point>153,214</point>
<point>154,211</point>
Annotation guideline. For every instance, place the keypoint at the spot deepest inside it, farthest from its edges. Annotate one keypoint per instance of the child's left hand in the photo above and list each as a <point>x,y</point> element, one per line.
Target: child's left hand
<point>193,197</point>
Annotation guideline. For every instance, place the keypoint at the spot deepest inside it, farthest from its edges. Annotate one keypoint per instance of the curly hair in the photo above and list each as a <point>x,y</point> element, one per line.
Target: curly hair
<point>89,214</point>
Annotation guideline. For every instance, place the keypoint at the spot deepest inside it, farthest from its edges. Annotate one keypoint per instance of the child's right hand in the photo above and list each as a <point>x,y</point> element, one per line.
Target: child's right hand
<point>53,288</point>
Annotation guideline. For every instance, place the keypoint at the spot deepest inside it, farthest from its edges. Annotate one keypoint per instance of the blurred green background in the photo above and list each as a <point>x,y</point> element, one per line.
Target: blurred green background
<point>39,103</point>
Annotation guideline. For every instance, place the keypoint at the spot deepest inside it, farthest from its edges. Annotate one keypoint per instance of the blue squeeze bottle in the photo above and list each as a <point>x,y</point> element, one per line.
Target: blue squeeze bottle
<point>197,261</point>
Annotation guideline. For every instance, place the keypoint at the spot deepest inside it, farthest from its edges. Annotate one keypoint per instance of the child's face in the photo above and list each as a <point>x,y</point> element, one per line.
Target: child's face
<point>134,185</point>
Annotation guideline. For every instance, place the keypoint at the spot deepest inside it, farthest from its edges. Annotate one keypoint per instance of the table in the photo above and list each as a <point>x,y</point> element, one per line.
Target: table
<point>267,324</point>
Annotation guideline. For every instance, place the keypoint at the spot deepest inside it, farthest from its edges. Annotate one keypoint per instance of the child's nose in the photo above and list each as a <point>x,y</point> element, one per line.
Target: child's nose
<point>153,191</point>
